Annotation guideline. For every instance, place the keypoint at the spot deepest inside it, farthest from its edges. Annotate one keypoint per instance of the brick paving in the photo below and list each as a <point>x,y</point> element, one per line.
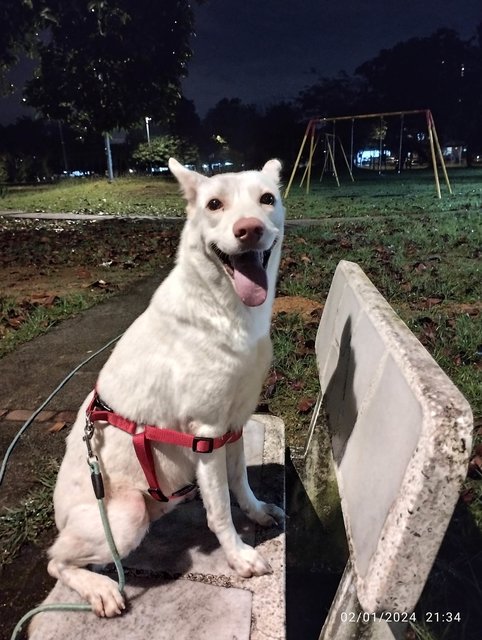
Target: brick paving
<point>22,415</point>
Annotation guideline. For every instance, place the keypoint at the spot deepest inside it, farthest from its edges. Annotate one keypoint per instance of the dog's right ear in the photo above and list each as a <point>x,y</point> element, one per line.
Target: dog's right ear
<point>188,180</point>
<point>273,169</point>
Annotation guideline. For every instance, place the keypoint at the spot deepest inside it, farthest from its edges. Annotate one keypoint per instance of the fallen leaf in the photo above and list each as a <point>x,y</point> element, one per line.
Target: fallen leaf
<point>101,284</point>
<point>15,322</point>
<point>306,404</point>
<point>431,302</point>
<point>419,266</point>
<point>475,468</point>
<point>467,496</point>
<point>82,272</point>
<point>56,427</point>
<point>317,313</point>
<point>43,299</point>
<point>478,450</point>
<point>305,349</point>
<point>469,309</point>
<point>297,385</point>
<point>346,243</point>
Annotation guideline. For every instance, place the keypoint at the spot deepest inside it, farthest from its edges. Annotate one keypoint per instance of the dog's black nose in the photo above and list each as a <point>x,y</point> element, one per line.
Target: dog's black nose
<point>248,230</point>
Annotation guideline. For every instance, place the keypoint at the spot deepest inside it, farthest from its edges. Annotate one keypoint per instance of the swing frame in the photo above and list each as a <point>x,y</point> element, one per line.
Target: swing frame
<point>314,123</point>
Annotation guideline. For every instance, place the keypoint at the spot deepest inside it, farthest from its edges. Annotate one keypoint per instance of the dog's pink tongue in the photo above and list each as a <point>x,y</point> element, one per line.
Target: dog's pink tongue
<point>250,279</point>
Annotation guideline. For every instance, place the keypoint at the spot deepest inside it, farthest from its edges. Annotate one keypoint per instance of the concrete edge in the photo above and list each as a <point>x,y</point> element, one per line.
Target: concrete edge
<point>447,456</point>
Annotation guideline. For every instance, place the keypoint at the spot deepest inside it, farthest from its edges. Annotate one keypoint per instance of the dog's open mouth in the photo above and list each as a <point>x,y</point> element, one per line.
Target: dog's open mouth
<point>248,273</point>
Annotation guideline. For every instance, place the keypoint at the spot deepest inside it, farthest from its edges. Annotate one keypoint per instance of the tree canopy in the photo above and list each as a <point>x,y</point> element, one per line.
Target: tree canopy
<point>102,64</point>
<point>158,151</point>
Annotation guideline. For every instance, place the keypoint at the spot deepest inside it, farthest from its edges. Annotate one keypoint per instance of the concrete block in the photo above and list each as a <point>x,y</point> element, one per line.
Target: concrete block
<point>401,437</point>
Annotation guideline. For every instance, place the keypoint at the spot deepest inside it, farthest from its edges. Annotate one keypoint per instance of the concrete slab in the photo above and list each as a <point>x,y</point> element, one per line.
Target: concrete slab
<point>164,610</point>
<point>401,437</point>
<point>179,584</point>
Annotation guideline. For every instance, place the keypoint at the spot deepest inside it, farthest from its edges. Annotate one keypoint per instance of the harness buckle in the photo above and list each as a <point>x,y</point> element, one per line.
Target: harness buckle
<point>206,447</point>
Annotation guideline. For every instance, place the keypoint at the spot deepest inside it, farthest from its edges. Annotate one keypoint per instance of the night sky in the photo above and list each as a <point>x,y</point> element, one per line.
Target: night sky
<point>265,51</point>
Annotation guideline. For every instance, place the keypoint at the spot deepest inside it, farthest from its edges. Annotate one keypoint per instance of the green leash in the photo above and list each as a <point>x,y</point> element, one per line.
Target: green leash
<point>98,485</point>
<point>96,481</point>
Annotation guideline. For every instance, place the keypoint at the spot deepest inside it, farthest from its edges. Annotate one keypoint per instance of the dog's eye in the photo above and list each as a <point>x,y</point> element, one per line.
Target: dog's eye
<point>214,204</point>
<point>267,198</point>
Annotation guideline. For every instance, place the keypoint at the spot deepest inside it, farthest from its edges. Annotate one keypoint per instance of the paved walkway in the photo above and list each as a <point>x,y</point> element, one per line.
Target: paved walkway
<point>299,222</point>
<point>178,583</point>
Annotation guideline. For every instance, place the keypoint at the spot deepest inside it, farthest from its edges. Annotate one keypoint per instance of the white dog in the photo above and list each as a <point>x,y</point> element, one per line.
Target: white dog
<point>191,367</point>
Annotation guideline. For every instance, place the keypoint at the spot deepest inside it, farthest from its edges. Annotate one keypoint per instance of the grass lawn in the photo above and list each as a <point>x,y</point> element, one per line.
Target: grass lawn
<point>412,192</point>
<point>126,196</point>
<point>422,253</point>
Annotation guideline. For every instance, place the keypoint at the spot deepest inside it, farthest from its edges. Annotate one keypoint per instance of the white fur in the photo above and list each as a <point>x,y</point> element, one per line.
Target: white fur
<point>194,361</point>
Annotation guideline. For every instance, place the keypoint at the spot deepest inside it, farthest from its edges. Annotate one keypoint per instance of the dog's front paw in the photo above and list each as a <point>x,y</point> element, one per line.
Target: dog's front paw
<point>247,562</point>
<point>266,515</point>
<point>104,596</point>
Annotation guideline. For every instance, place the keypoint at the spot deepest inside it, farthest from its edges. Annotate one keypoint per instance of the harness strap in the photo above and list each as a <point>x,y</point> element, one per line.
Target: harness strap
<point>98,412</point>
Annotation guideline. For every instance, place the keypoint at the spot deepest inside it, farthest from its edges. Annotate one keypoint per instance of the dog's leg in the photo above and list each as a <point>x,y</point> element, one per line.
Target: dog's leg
<point>82,541</point>
<point>213,483</point>
<point>260,512</point>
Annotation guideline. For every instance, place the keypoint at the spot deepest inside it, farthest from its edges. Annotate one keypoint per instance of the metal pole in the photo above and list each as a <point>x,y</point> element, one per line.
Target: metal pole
<point>325,152</point>
<point>332,160</point>
<point>440,154</point>
<point>400,145</point>
<point>432,150</point>
<point>62,144</point>
<point>297,161</point>
<point>312,150</point>
<point>351,142</point>
<point>346,160</point>
<point>369,115</point>
<point>110,172</point>
<point>334,145</point>
<point>380,150</point>
<point>309,162</point>
<point>148,133</point>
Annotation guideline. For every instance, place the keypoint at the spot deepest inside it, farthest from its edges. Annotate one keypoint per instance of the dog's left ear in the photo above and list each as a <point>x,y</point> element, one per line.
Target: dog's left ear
<point>188,180</point>
<point>273,169</point>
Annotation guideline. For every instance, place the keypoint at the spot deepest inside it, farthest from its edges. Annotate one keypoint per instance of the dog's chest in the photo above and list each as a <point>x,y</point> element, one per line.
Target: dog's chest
<point>231,385</point>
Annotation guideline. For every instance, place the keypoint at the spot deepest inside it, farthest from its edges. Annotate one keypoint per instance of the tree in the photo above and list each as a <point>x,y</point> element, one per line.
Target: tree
<point>18,35</point>
<point>424,73</point>
<point>106,64</point>
<point>185,122</point>
<point>233,128</point>
<point>159,150</point>
<point>337,96</point>
<point>281,127</point>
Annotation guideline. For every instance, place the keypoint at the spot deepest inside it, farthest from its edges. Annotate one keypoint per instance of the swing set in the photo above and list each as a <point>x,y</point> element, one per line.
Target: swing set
<point>317,136</point>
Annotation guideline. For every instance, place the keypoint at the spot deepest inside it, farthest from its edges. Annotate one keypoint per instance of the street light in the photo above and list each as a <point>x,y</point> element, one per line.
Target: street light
<point>147,119</point>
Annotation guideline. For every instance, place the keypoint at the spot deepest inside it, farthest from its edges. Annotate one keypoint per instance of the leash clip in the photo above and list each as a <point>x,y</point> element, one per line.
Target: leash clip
<point>88,435</point>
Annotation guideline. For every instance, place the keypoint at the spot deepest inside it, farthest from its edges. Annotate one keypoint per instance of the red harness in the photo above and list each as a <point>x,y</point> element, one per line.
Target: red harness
<point>97,411</point>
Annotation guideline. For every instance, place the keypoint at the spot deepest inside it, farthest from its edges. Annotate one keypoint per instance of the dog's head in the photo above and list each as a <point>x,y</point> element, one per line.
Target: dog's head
<point>240,219</point>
